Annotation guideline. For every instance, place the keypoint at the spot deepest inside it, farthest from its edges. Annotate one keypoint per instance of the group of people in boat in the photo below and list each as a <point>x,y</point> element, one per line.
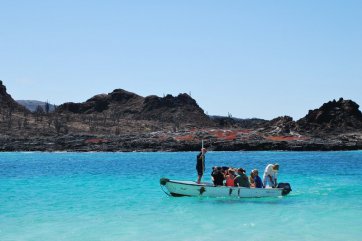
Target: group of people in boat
<point>236,177</point>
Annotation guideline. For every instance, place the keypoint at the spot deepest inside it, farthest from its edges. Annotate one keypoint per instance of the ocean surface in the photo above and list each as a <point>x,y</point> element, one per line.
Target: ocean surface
<point>117,196</point>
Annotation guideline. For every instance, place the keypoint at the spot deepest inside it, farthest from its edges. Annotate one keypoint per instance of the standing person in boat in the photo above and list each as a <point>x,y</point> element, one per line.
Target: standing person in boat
<point>270,175</point>
<point>200,164</point>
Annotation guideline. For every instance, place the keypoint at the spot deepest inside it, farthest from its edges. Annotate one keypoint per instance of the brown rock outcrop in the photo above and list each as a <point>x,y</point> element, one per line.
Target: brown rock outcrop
<point>120,100</point>
<point>283,125</point>
<point>332,117</point>
<point>181,109</point>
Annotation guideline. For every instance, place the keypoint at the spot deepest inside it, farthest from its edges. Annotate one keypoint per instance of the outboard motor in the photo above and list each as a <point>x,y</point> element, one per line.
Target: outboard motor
<point>286,188</point>
<point>163,181</point>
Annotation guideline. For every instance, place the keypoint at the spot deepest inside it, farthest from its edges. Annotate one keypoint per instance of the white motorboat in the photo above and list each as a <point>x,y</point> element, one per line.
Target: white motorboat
<point>190,188</point>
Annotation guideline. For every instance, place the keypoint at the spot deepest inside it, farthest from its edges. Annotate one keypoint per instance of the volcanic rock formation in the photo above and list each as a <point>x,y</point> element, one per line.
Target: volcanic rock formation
<point>180,109</point>
<point>333,117</point>
<point>283,125</point>
<point>7,102</point>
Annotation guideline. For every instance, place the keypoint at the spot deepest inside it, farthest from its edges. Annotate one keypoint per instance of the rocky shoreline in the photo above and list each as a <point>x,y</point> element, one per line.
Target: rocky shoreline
<point>152,143</point>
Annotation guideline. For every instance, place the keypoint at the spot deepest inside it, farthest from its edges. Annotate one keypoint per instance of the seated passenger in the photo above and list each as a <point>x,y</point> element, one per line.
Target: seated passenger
<point>214,169</point>
<point>242,179</point>
<point>251,179</point>
<point>230,179</point>
<point>257,180</point>
<point>217,176</point>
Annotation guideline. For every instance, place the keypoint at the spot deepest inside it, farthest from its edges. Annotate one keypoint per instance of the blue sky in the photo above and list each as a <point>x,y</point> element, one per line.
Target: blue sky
<point>250,58</point>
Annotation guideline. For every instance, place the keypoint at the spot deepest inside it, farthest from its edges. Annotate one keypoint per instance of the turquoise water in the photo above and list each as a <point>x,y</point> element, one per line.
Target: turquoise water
<point>116,196</point>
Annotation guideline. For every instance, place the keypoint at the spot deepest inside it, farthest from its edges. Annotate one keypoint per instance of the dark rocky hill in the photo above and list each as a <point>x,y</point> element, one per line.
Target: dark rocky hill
<point>181,109</point>
<point>7,102</point>
<point>119,100</point>
<point>332,117</point>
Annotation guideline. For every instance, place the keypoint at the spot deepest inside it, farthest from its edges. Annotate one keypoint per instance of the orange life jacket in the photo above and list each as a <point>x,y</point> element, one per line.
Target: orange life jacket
<point>230,182</point>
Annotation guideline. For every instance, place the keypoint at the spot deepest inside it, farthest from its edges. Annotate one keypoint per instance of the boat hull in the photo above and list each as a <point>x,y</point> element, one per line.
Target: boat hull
<point>189,188</point>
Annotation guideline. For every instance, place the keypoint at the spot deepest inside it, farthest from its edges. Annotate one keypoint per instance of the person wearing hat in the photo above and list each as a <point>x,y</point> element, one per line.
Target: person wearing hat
<point>241,179</point>
<point>200,164</point>
<point>270,175</point>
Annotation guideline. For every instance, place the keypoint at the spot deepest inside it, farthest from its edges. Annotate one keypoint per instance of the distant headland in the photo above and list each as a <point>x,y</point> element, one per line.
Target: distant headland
<point>125,121</point>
